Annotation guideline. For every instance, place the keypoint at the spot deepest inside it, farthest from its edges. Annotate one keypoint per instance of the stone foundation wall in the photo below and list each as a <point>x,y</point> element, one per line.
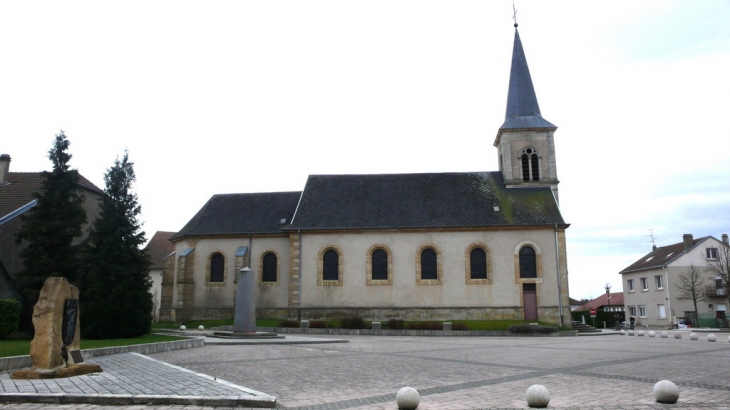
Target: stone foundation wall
<point>383,314</point>
<point>545,314</point>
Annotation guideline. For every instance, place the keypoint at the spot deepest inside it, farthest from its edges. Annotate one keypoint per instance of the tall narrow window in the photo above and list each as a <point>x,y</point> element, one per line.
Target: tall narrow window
<point>217,267</point>
<point>269,265</point>
<point>478,263</point>
<point>380,264</point>
<point>631,285</point>
<point>331,265</point>
<point>429,265</point>
<point>528,262</point>
<point>530,165</point>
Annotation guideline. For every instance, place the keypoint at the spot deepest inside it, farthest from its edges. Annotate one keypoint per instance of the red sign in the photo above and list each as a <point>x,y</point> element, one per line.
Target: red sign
<point>593,312</point>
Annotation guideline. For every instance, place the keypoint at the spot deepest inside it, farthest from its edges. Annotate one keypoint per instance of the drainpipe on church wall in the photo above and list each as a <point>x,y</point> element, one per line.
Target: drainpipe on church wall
<point>301,262</point>
<point>557,270</point>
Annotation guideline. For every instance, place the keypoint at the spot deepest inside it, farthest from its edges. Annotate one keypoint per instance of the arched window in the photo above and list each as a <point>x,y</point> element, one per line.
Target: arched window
<point>429,264</point>
<point>478,263</point>
<point>331,265</point>
<point>270,265</point>
<point>379,259</point>
<point>528,262</point>
<point>530,165</point>
<point>217,267</point>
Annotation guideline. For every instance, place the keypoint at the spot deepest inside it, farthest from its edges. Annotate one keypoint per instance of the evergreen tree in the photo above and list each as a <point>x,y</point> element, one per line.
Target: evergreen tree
<point>49,230</point>
<point>115,284</point>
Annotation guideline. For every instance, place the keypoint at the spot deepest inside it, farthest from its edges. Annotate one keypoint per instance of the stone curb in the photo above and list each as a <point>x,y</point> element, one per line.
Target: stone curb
<point>141,399</point>
<point>19,362</point>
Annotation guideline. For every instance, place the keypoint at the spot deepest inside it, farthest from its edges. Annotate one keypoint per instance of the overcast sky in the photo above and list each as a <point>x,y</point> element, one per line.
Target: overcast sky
<point>226,97</point>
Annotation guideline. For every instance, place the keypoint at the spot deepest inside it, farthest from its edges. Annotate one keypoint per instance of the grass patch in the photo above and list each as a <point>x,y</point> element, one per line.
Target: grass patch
<point>21,347</point>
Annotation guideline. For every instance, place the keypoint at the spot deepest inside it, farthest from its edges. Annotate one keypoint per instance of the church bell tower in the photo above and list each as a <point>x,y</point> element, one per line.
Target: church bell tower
<point>525,141</point>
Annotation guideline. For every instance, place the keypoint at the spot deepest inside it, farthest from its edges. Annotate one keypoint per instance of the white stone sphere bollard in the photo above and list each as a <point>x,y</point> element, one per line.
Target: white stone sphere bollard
<point>407,398</point>
<point>631,332</point>
<point>664,335</point>
<point>666,392</point>
<point>652,333</point>
<point>677,335</point>
<point>711,337</point>
<point>537,396</point>
<point>622,332</point>
<point>201,327</point>
<point>182,327</point>
<point>693,336</point>
<point>640,333</point>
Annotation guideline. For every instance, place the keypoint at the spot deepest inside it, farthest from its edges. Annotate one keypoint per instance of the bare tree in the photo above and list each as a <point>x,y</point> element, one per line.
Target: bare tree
<point>691,286</point>
<point>717,262</point>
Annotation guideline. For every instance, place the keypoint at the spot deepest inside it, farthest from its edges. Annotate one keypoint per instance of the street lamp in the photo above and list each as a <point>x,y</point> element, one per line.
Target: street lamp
<point>608,299</point>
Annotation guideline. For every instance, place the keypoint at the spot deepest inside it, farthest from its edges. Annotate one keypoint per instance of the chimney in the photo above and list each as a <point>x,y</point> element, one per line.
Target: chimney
<point>688,241</point>
<point>724,239</point>
<point>4,168</point>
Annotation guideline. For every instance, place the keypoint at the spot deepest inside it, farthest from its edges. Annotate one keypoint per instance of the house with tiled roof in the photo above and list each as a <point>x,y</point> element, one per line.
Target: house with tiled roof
<point>158,248</point>
<point>650,285</point>
<point>16,198</point>
<point>613,302</point>
<point>424,246</point>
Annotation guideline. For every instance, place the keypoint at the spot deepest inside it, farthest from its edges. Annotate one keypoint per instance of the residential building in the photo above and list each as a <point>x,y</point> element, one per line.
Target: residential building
<point>650,284</point>
<point>16,199</point>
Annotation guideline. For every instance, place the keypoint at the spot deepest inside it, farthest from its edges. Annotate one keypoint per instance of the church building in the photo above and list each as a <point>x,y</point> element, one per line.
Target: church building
<point>424,246</point>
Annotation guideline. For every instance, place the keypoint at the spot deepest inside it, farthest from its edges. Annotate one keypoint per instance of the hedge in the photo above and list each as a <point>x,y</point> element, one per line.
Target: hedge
<point>9,316</point>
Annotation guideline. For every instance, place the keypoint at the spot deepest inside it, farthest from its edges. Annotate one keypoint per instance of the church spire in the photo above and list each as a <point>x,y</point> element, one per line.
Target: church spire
<point>523,111</point>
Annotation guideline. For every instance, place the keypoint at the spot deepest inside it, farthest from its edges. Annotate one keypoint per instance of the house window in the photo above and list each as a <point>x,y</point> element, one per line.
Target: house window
<point>329,266</point>
<point>528,262</point>
<point>711,253</point>
<point>659,282</point>
<point>270,265</point>
<point>530,165</point>
<point>644,284</point>
<point>632,311</point>
<point>642,311</point>
<point>662,311</point>
<point>428,266</point>
<point>217,268</point>
<point>630,283</point>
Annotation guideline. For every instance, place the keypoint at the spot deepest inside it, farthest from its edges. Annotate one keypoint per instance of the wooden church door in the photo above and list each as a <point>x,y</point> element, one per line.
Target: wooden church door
<point>529,298</point>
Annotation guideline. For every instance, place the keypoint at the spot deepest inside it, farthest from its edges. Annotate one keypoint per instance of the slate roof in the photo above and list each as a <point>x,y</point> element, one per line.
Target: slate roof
<point>18,191</point>
<point>523,111</point>
<point>428,200</point>
<point>159,247</point>
<point>617,299</point>
<point>235,214</point>
<point>661,257</point>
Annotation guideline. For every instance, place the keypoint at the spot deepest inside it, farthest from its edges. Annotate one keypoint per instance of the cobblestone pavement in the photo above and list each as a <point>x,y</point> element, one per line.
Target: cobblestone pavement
<point>608,372</point>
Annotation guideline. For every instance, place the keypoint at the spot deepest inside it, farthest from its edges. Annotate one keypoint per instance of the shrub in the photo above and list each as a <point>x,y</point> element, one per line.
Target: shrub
<point>425,326</point>
<point>353,323</point>
<point>288,323</point>
<point>531,329</point>
<point>319,324</point>
<point>459,326</point>
<point>395,324</point>
<point>9,316</point>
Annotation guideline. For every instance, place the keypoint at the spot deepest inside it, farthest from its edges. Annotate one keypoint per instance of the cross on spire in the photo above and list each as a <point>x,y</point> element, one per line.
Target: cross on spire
<point>514,15</point>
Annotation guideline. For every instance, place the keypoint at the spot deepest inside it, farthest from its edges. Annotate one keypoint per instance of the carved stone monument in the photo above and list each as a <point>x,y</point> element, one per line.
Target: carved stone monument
<point>55,349</point>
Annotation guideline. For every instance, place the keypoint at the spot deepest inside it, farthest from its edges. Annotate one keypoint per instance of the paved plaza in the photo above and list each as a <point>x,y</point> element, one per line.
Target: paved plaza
<point>602,372</point>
